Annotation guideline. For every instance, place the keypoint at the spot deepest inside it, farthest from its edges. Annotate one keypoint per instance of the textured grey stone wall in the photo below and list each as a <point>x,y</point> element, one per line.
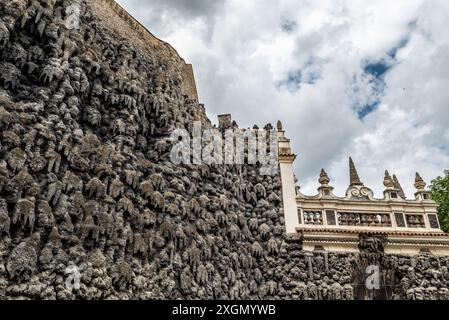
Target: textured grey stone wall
<point>86,181</point>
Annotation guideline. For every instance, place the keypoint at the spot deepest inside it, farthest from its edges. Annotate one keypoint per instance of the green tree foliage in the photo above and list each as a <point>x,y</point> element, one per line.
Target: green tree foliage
<point>440,193</point>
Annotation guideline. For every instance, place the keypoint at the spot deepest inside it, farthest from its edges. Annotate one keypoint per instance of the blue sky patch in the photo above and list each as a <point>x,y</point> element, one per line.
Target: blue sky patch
<point>367,109</point>
<point>293,81</point>
<point>377,69</point>
<point>309,73</point>
<point>402,44</point>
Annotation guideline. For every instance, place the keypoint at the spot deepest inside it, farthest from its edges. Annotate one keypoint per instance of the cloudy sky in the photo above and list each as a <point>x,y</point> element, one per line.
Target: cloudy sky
<point>348,77</point>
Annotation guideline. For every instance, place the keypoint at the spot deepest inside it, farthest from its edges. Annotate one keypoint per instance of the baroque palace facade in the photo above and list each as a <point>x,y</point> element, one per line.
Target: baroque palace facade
<point>332,223</point>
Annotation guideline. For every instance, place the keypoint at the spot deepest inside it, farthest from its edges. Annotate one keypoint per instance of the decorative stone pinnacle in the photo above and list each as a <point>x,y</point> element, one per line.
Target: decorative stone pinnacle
<point>279,125</point>
<point>419,182</point>
<point>324,178</point>
<point>354,179</point>
<point>388,180</point>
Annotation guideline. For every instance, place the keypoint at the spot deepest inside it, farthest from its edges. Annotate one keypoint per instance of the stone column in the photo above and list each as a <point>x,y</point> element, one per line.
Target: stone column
<point>286,159</point>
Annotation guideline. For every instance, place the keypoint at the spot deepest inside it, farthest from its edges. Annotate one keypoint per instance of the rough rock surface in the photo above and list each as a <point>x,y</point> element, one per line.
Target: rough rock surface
<point>86,181</point>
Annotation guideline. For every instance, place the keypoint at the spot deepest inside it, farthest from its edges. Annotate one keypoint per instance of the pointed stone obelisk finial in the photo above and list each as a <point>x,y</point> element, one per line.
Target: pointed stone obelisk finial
<point>419,182</point>
<point>354,179</point>
<point>324,178</point>
<point>397,185</point>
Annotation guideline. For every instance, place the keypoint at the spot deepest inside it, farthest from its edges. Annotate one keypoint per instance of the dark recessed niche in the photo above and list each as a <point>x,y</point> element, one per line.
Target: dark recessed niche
<point>330,216</point>
<point>433,221</point>
<point>400,221</point>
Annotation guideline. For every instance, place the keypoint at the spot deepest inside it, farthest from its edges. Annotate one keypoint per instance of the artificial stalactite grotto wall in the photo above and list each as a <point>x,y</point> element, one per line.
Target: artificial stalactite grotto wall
<point>86,180</point>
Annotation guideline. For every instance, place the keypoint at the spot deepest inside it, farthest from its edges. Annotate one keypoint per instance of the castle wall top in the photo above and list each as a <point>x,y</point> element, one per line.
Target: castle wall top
<point>224,121</point>
<point>116,18</point>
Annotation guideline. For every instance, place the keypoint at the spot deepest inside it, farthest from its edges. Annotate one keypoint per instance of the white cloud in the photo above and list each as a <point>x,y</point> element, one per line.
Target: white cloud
<point>241,53</point>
